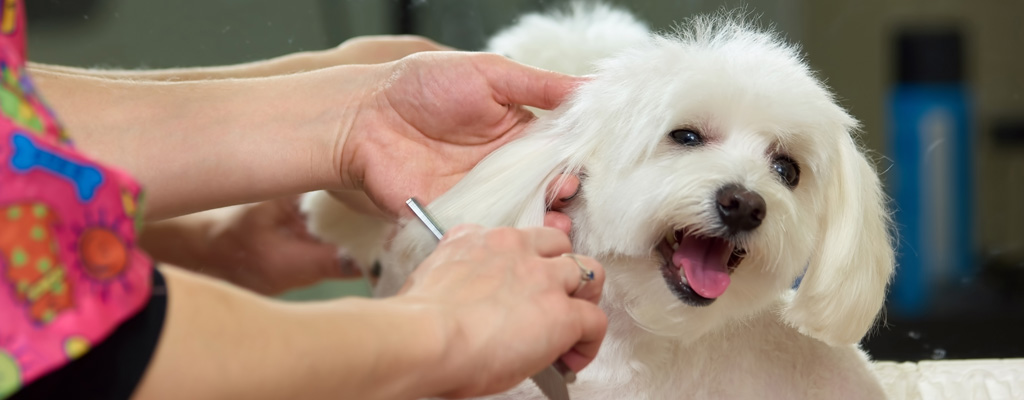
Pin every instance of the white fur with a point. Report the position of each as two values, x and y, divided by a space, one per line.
753 97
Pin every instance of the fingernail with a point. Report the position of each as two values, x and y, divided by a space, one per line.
573 196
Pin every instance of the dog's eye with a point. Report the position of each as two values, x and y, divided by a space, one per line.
687 137
788 170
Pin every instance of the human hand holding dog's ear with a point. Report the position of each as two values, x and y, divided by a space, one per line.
432 117
508 304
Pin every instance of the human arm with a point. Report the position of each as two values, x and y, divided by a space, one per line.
264 247
486 310
358 50
221 342
205 144
394 130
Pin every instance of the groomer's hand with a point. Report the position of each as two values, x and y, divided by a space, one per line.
266 247
503 296
433 116
263 246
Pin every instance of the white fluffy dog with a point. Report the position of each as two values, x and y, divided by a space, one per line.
716 170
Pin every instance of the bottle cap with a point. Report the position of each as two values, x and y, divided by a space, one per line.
930 56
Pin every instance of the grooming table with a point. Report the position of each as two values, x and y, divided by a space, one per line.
983 379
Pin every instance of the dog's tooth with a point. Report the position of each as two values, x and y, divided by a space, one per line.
670 237
675 246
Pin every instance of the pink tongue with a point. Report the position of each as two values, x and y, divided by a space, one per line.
703 261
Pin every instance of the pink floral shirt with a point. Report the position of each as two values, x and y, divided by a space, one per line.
71 270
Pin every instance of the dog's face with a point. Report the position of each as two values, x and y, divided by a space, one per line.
715 170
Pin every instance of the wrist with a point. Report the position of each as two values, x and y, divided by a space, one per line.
351 132
272 136
447 353
409 345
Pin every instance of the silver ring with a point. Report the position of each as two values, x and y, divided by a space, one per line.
586 275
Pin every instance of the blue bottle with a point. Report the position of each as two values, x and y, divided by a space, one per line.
931 175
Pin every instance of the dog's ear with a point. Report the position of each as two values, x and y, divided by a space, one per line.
507 188
845 283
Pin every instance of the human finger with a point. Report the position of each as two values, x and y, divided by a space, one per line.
459 231
593 324
326 260
581 276
548 242
516 83
558 220
562 190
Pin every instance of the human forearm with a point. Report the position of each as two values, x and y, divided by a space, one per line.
220 342
287 64
264 247
205 144
359 50
178 241
186 242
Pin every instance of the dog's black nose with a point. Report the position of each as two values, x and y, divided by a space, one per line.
740 209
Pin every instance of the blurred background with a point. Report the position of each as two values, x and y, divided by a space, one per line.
936 83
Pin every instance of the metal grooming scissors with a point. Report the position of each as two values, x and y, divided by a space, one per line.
552 380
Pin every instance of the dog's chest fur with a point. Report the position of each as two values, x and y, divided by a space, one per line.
759 357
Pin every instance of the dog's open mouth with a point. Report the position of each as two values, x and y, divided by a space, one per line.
697 269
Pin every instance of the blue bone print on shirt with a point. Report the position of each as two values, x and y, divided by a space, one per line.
27 155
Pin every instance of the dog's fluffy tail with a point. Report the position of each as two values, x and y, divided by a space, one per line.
570 41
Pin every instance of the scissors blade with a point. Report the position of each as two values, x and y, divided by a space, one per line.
551 381
427 220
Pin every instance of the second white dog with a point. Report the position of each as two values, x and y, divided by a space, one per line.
716 170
